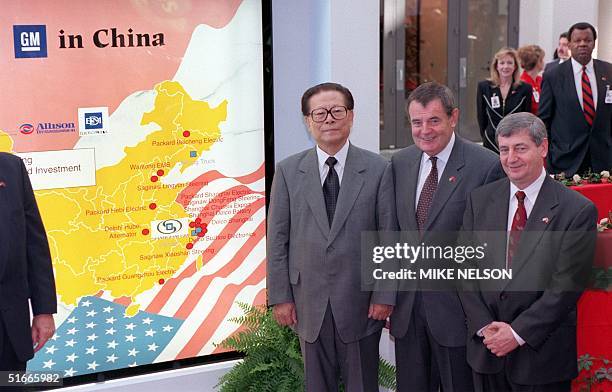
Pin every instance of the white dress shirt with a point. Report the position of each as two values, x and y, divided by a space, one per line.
531 194
425 167
577 68
339 166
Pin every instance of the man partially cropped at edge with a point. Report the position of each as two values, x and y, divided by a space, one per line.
26 273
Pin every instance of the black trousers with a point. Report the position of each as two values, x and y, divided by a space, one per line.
8 359
423 365
500 382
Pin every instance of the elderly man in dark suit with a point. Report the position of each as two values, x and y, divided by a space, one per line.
522 331
576 106
432 179
322 199
25 269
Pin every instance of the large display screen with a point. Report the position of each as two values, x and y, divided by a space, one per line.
141 126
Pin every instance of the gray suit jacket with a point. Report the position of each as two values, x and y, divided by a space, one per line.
312 264
548 270
469 166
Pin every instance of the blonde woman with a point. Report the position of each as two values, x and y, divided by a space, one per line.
502 94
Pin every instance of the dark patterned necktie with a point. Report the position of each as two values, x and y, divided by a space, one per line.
588 107
331 188
427 194
518 224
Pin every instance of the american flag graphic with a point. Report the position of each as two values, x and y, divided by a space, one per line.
97 336
187 315
234 272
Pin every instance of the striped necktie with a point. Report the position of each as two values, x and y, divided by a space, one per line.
427 194
588 107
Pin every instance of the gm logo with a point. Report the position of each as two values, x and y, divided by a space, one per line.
30 41
26 129
168 228
93 120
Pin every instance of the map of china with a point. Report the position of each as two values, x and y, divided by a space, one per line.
113 218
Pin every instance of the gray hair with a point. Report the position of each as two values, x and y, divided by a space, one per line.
517 122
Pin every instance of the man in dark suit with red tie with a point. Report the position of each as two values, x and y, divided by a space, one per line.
26 273
432 180
522 331
576 106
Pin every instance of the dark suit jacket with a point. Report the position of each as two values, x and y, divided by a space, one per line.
518 100
25 263
468 167
552 65
569 135
548 272
312 264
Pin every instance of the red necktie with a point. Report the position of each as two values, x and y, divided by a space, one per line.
587 98
427 194
518 224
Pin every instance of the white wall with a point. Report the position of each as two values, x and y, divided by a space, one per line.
604 30
317 41
542 21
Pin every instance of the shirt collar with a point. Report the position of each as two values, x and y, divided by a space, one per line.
532 191
340 156
443 155
577 67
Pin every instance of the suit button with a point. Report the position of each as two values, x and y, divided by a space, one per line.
330 248
503 296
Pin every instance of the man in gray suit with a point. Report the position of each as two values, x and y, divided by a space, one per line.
322 199
522 332
432 180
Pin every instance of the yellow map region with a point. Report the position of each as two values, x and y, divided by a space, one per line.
96 233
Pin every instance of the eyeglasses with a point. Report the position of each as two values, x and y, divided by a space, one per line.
337 113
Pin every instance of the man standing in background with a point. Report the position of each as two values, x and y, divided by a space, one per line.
562 52
576 107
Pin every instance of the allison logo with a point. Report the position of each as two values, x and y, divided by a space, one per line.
26 129
170 228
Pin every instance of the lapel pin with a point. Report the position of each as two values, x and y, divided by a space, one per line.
545 220
452 179
2 184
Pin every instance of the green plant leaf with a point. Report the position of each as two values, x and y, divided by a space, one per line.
273 361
